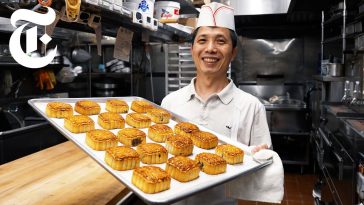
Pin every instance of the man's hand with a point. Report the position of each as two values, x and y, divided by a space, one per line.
259 147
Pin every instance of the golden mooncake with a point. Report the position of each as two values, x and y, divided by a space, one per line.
151 179
182 168
158 132
159 116
87 107
231 153
122 158
152 153
131 136
111 120
204 140
101 139
141 106
179 145
211 163
118 106
59 110
79 123
185 129
138 120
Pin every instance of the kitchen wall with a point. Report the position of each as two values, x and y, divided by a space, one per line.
293 59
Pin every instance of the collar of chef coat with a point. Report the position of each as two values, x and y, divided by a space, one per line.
225 95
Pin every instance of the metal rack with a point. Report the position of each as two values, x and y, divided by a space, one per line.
334 39
180 68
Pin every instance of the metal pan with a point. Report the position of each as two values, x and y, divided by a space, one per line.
177 190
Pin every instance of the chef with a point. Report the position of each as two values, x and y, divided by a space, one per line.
213 101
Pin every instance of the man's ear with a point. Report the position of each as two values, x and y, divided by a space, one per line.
235 51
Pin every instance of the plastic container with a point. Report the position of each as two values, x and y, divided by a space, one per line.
166 10
143 6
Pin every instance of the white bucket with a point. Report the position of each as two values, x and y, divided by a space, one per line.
143 6
166 10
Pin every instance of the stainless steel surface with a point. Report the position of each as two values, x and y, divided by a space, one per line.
359 42
332 91
177 190
295 91
337 144
335 69
258 7
105 85
180 68
294 59
287 113
79 55
287 118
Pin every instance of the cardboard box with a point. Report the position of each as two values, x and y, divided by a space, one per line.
191 22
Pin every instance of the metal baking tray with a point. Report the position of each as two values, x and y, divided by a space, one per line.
177 190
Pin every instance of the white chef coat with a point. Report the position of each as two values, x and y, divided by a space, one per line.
231 112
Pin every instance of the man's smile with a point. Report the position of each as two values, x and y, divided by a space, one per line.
210 59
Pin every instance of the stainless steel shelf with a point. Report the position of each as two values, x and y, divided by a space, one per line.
333 39
334 19
182 70
290 133
328 78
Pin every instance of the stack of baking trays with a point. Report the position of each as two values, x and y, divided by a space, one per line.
160 156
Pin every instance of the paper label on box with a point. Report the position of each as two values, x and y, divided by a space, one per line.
123 44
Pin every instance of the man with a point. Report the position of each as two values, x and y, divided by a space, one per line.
211 99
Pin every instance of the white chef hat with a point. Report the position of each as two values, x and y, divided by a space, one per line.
216 14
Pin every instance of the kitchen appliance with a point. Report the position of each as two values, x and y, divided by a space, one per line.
338 142
335 69
288 118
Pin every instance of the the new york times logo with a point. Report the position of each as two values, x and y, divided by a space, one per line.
23 58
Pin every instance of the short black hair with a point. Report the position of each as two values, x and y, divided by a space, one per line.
233 35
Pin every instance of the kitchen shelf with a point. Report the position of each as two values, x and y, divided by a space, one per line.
123 17
333 39
111 20
290 133
328 78
9 61
334 19
359 17
110 75
187 7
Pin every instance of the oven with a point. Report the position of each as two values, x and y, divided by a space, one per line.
338 169
335 157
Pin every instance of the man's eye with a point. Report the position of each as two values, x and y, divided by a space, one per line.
221 41
202 40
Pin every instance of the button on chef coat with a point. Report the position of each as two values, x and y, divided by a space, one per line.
231 112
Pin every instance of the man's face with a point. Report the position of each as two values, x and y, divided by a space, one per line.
212 51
